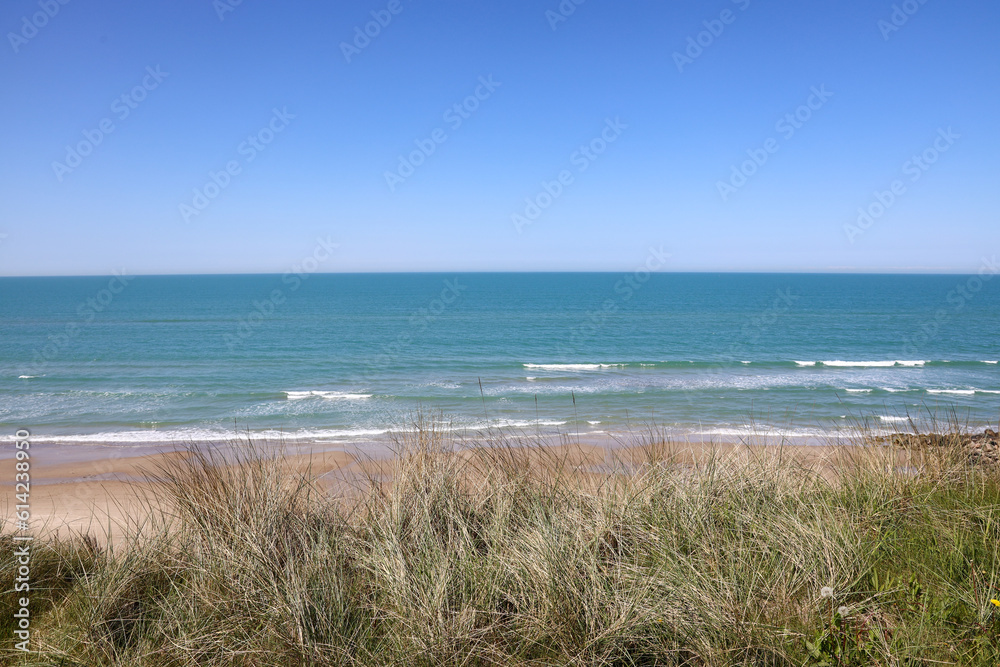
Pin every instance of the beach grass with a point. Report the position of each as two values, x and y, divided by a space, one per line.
511 555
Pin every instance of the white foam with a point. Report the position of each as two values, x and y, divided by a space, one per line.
328 395
987 391
183 436
960 392
530 378
872 364
764 431
513 423
859 391
891 418
859 364
989 362
330 433
136 437
509 423
26 377
593 423
567 367
806 363
442 385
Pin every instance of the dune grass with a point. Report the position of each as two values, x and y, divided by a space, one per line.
512 556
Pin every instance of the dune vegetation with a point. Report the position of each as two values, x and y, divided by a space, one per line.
514 556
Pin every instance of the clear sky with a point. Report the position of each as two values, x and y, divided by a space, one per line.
318 123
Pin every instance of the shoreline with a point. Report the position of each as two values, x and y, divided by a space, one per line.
80 488
78 445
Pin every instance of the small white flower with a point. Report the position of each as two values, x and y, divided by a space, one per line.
842 611
826 592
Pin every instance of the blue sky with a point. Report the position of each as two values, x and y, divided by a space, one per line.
204 82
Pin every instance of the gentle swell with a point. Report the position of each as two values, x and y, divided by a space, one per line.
762 363
571 367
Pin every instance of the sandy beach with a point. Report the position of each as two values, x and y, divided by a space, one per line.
101 490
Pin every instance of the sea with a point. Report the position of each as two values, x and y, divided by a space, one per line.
351 358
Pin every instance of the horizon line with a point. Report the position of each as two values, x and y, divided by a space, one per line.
854 272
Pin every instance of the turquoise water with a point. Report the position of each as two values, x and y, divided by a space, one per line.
340 357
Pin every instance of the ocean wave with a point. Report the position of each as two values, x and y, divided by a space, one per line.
328 395
202 435
893 418
138 438
26 377
762 431
508 423
442 384
972 363
960 392
616 386
759 363
888 363
872 364
571 367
